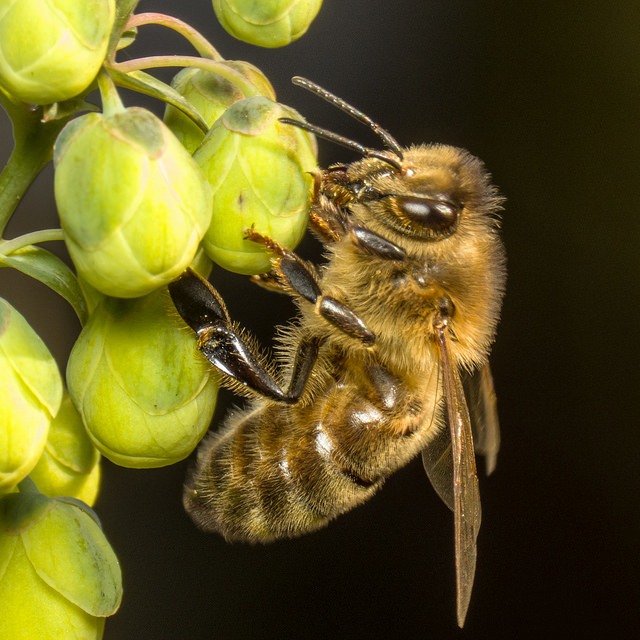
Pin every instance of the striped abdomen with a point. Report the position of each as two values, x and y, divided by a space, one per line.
280 471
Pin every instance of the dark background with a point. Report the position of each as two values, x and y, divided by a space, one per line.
548 95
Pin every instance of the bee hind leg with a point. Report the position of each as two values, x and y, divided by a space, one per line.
297 277
224 345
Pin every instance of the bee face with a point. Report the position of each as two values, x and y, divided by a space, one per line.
427 197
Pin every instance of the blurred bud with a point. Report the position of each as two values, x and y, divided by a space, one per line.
267 24
59 577
69 465
145 393
211 95
133 204
52 51
30 395
259 169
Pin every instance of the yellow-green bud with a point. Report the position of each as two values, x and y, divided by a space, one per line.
52 51
30 395
210 94
59 577
269 23
69 465
133 204
145 393
260 172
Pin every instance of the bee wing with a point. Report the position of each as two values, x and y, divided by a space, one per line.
466 493
437 460
437 457
484 415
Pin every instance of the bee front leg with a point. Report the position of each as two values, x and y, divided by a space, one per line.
375 245
334 192
297 277
222 343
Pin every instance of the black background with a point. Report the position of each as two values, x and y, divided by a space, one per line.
548 95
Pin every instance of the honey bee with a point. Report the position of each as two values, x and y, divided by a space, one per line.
399 318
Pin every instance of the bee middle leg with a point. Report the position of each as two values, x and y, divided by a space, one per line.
298 277
224 345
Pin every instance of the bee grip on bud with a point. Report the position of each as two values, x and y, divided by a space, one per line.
294 275
202 308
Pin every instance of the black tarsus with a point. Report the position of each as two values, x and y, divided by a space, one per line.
376 244
203 310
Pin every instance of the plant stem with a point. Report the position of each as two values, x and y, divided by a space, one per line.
219 68
124 9
32 151
7 247
195 38
111 101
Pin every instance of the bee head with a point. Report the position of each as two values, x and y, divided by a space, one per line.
423 192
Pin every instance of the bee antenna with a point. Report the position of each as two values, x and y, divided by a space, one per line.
345 142
386 137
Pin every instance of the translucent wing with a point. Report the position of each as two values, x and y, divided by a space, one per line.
483 407
438 463
482 403
464 495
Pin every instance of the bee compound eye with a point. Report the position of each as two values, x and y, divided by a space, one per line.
436 215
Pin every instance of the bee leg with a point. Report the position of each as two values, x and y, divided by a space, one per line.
297 277
327 219
202 308
325 231
375 244
269 281
341 317
330 223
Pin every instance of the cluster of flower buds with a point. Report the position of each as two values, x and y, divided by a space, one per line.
140 200
58 574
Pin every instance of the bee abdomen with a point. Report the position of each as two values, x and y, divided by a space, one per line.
280 471
269 476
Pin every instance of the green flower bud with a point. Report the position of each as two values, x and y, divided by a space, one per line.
145 394
256 76
69 465
59 577
259 169
270 23
30 395
52 51
210 94
132 202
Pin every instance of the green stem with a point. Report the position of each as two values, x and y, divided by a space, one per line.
32 151
111 101
7 247
124 9
195 38
219 68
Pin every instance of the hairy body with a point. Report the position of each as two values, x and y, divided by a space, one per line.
281 470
